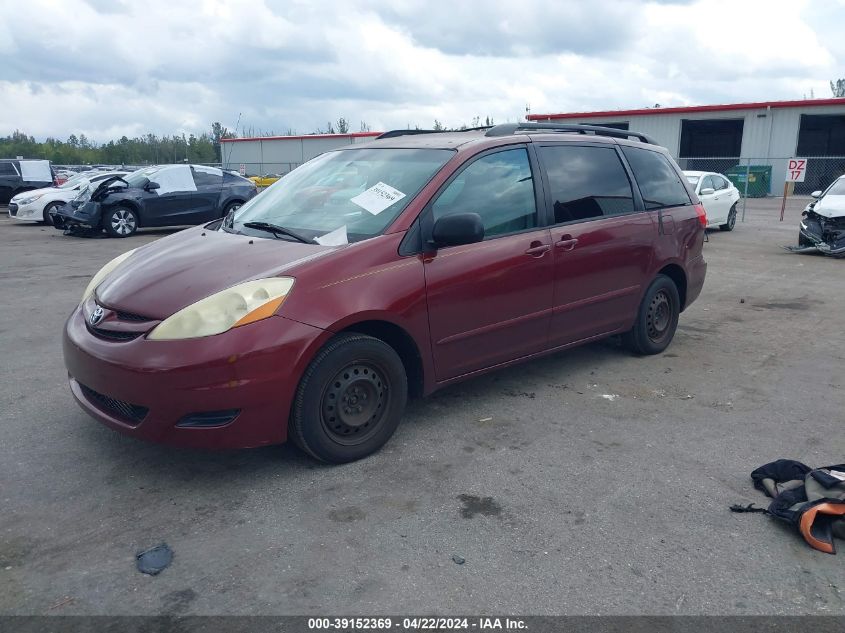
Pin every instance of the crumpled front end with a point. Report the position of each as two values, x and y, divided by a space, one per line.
825 235
77 216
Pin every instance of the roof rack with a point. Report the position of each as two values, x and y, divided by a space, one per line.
506 129
394 133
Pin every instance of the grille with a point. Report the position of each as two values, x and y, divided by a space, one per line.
114 335
131 413
128 316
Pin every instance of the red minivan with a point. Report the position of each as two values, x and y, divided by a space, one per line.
385 270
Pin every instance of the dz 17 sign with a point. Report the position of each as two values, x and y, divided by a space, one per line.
796 169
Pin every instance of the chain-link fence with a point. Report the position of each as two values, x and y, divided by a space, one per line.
266 168
761 177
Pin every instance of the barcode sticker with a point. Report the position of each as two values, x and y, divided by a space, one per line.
377 198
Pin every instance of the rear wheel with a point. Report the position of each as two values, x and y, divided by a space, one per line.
350 400
50 208
657 318
120 222
729 225
232 206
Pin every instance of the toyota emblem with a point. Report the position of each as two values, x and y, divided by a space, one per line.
96 316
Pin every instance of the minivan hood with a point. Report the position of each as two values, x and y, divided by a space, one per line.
176 271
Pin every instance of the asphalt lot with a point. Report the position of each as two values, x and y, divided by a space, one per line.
561 497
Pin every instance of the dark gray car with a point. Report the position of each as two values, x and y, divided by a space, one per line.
168 195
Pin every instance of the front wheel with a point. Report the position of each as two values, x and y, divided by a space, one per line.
657 318
350 399
729 225
53 207
120 222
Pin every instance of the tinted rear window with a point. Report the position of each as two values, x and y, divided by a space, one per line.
586 182
659 183
7 169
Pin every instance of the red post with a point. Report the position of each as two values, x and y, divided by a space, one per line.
783 203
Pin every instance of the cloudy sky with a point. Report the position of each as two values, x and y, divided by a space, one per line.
107 68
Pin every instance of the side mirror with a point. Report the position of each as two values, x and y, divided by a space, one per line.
457 229
706 191
817 194
152 186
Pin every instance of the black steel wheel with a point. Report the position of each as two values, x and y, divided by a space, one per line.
729 225
354 403
657 318
350 399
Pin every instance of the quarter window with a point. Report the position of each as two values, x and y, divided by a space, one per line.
659 183
207 177
7 169
586 182
498 187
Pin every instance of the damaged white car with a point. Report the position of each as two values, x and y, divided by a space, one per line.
823 221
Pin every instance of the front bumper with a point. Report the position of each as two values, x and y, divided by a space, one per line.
814 235
26 212
87 215
145 388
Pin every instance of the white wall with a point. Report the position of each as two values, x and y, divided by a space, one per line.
280 155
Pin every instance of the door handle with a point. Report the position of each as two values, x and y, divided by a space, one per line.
567 242
538 249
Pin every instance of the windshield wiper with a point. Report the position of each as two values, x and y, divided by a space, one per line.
275 229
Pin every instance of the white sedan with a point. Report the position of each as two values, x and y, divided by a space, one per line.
36 205
718 195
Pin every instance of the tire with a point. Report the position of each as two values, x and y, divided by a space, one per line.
50 207
729 225
350 399
120 222
657 318
232 206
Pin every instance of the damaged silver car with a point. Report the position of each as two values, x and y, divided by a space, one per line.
823 222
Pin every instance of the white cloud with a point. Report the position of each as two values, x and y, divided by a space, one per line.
108 69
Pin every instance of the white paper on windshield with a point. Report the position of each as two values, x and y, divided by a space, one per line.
176 178
337 237
36 170
377 198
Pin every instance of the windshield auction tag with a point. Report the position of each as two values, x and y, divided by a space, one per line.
337 237
377 198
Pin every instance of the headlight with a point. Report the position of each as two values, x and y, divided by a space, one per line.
97 279
245 303
30 199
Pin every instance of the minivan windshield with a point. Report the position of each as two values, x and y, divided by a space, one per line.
342 196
